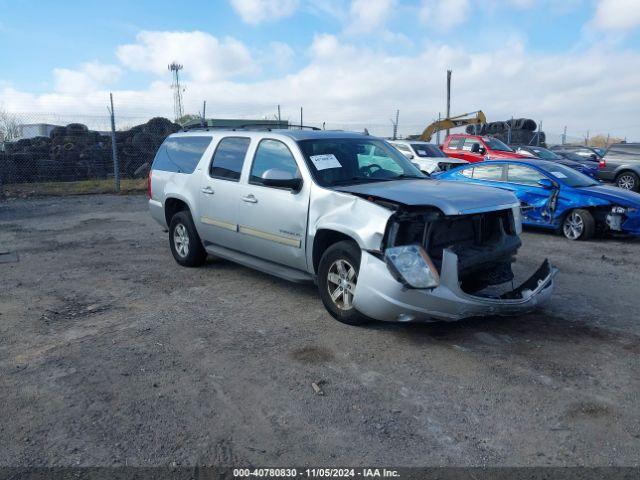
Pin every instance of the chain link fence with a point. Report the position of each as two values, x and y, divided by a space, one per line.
46 153
39 152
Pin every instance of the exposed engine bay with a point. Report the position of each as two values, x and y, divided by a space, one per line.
485 243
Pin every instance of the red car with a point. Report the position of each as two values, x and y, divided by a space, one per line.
474 148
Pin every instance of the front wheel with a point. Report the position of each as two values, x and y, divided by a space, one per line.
184 241
337 279
628 181
579 224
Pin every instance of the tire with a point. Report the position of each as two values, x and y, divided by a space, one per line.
182 227
628 180
341 256
579 224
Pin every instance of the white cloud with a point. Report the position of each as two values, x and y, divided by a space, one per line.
205 58
258 11
351 86
444 14
281 55
367 15
89 77
617 14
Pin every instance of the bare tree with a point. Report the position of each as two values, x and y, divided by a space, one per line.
9 126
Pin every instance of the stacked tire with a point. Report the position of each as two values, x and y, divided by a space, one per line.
515 131
74 152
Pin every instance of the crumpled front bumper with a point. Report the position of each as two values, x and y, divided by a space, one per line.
380 296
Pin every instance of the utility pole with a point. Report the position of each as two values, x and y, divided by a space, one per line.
395 125
448 97
114 147
300 118
586 140
438 131
177 90
279 120
204 113
539 132
564 135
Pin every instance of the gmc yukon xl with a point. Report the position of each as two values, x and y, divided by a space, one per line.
348 212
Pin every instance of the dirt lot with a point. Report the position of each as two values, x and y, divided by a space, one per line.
110 353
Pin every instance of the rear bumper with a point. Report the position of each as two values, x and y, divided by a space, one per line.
378 295
156 209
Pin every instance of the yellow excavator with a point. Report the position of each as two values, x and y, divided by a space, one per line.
472 118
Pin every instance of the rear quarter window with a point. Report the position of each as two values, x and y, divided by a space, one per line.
455 143
180 154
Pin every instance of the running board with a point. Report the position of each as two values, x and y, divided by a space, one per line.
259 264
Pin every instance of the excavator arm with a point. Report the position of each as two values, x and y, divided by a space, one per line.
478 118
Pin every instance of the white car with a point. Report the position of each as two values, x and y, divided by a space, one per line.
426 156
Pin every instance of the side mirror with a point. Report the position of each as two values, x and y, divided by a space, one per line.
410 156
594 157
475 148
483 150
546 183
275 177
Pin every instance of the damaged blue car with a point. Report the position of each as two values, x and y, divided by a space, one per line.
557 197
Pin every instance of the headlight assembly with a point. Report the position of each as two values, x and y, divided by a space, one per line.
411 265
619 210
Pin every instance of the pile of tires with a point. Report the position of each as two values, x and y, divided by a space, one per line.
74 152
514 131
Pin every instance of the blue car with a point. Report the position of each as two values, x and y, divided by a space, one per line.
557 197
573 160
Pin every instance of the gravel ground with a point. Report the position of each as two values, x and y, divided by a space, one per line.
110 353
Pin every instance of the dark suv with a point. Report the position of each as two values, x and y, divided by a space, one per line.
623 165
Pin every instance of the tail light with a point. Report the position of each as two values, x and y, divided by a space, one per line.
149 184
602 163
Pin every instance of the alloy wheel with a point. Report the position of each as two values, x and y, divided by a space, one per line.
627 182
181 240
573 226
341 283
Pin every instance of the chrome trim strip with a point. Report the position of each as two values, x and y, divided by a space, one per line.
219 223
493 208
284 240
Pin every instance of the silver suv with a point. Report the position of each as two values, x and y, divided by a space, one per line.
348 212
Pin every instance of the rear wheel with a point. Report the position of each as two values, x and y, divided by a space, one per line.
579 224
628 181
337 279
184 241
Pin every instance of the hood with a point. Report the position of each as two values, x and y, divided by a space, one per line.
453 198
619 196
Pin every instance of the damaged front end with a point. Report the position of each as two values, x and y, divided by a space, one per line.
448 267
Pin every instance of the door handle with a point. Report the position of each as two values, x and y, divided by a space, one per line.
250 199
208 190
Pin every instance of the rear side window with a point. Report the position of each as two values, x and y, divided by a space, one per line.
455 143
272 156
488 172
180 154
229 157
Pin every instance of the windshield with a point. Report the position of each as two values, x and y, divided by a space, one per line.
570 177
544 153
427 150
345 161
495 144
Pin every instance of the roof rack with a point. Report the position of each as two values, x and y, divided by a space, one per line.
266 126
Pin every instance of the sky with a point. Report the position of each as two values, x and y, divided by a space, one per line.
573 63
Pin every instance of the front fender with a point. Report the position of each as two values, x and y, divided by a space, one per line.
356 217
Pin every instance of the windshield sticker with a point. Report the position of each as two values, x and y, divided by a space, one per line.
558 174
323 162
422 152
